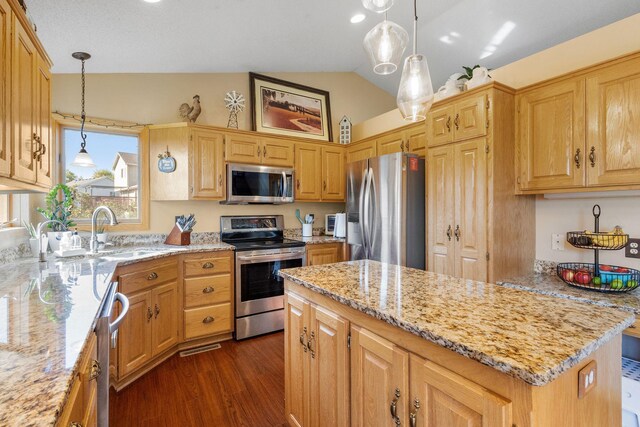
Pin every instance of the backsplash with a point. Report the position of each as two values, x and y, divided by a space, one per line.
8 255
544 267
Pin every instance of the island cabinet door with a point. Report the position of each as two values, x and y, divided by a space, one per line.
296 361
440 397
329 370
379 381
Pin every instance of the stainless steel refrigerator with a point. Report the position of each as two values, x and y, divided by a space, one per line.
386 209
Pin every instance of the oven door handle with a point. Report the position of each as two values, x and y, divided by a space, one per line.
275 257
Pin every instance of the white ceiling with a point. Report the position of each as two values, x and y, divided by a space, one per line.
301 35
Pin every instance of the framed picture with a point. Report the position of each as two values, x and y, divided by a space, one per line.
289 109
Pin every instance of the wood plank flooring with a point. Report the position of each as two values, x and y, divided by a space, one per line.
239 385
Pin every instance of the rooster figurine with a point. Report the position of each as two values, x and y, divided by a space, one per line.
190 113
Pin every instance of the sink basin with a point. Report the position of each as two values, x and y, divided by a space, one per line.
131 254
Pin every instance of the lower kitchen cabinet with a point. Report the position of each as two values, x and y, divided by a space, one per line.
327 253
317 365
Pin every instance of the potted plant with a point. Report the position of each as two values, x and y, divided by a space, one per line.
59 206
33 238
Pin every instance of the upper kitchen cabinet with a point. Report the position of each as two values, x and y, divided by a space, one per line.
550 136
579 132
458 118
200 167
259 150
26 149
613 131
361 150
470 199
319 172
392 143
406 139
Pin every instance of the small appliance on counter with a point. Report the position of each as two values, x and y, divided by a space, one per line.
329 224
340 226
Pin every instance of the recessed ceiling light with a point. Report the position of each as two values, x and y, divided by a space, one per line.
358 17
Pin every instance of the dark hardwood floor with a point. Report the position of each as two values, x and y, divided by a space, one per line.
241 384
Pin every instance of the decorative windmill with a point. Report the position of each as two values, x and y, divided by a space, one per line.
234 102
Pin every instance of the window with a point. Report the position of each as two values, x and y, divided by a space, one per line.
114 182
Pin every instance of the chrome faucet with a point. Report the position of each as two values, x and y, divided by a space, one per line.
42 251
93 245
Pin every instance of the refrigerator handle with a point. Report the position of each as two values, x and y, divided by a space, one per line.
372 191
364 212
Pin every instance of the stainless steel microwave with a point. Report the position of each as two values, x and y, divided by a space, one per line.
258 184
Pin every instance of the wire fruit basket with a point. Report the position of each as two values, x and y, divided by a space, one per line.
596 276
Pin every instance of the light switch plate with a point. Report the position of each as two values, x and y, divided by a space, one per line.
587 379
557 242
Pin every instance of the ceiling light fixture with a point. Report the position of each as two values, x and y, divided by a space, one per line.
385 44
82 158
357 18
415 95
377 6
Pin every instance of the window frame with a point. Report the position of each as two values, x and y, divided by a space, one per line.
142 223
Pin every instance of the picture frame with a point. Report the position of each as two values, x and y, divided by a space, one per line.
289 109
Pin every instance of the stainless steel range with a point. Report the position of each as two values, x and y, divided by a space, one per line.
261 251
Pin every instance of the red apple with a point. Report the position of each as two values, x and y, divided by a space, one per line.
621 270
583 277
568 275
604 267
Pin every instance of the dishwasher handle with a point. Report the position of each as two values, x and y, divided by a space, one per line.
113 327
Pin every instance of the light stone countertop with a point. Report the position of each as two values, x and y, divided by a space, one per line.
47 311
527 335
319 240
551 284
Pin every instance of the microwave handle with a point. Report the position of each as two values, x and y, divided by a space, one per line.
284 184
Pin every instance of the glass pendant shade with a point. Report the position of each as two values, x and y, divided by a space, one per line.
385 45
415 95
83 159
377 6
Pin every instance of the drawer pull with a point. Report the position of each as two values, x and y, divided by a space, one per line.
95 371
207 265
152 276
208 290
208 319
74 424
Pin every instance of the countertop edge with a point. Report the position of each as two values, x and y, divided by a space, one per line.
527 376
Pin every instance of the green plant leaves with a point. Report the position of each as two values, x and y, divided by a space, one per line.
58 209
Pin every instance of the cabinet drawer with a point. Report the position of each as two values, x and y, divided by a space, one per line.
207 290
210 320
72 410
207 266
148 274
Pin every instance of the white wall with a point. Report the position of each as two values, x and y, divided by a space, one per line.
560 216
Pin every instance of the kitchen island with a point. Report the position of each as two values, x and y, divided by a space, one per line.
437 350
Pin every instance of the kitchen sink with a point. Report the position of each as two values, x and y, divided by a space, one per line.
130 254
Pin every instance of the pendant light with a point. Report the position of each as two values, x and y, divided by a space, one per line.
82 158
415 95
385 45
377 6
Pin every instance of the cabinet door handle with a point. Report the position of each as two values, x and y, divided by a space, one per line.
36 153
576 158
95 371
264 151
152 276
208 319
157 309
413 416
259 152
298 184
457 233
592 157
393 408
303 339
149 314
74 424
208 290
456 121
449 232
207 265
220 180
406 146
402 146
324 184
449 124
312 339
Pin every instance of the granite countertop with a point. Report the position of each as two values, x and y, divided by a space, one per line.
527 335
47 311
550 284
319 240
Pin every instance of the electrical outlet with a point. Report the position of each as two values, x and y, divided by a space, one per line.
633 249
587 379
557 242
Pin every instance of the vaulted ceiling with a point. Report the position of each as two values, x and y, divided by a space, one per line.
198 36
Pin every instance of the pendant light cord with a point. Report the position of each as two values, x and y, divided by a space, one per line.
82 134
415 26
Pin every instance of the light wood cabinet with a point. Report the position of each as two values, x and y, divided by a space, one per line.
5 89
393 143
200 168
243 148
379 380
44 142
135 342
333 174
458 119
361 151
416 140
551 136
443 398
470 205
165 317
612 151
319 173
317 365
326 253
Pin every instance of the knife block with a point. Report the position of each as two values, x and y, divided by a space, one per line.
178 238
